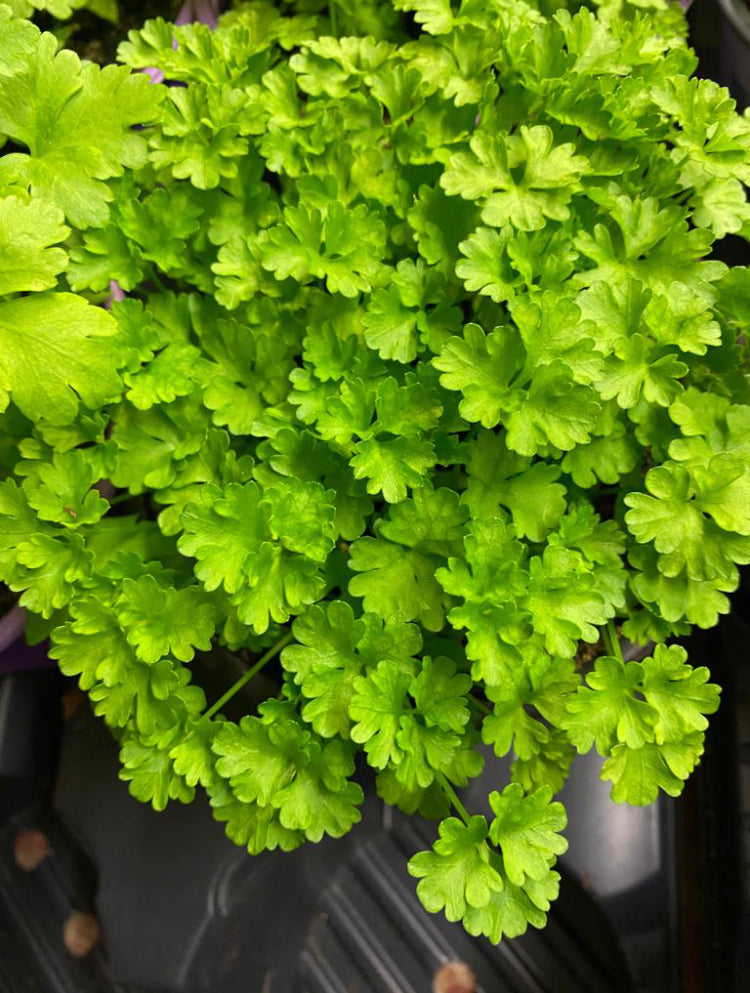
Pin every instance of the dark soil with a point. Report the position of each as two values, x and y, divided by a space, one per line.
96 39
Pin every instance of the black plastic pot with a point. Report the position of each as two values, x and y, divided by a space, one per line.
182 910
735 49
15 654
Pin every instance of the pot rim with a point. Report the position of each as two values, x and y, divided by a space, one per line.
12 628
737 13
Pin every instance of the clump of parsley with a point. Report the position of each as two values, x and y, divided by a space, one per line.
426 385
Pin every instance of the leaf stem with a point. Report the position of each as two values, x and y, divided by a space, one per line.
333 15
158 280
481 706
446 787
613 642
121 498
247 676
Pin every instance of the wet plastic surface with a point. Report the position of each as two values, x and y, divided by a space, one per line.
651 901
182 909
341 915
735 48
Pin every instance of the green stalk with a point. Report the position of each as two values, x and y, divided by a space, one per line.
481 706
333 15
613 642
446 787
247 676
121 498
158 280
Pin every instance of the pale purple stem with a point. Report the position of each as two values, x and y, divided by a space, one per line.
12 627
205 11
116 293
154 74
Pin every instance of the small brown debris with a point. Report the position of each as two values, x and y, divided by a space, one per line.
81 934
30 848
454 977
71 702
587 653
94 52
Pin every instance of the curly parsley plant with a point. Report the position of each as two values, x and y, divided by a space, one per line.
426 384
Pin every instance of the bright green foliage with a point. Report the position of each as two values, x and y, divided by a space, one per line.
76 121
261 549
680 517
521 178
458 873
495 893
28 230
501 478
257 828
276 762
151 774
411 723
525 829
333 649
509 913
542 753
648 717
48 571
193 755
57 354
607 709
680 694
258 760
394 581
427 384
62 490
161 622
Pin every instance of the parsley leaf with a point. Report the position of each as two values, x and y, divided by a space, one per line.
76 120
457 874
28 232
86 353
526 829
551 174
